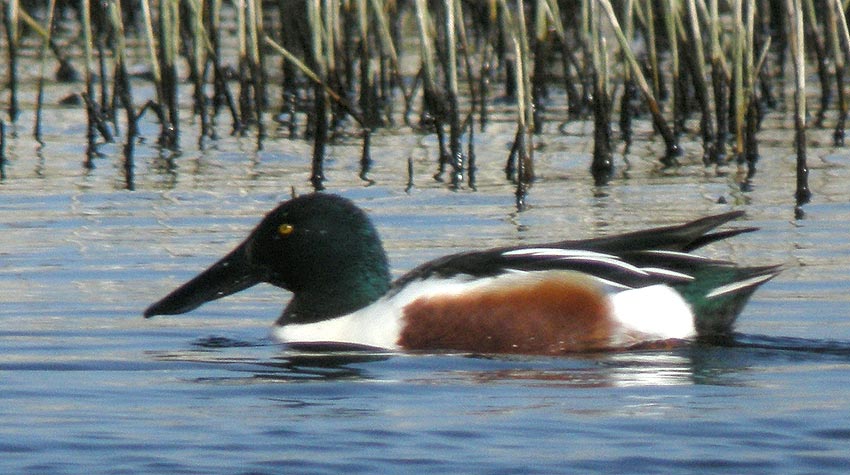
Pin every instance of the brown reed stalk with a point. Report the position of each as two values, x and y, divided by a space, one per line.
151 44
161 56
435 104
720 79
738 96
752 116
245 114
170 20
51 8
89 94
198 57
101 29
66 69
521 157
314 78
645 12
207 35
487 62
320 100
381 12
696 60
817 43
835 21
10 19
251 75
602 166
678 97
797 43
670 140
122 91
255 60
542 57
2 149
369 80
628 107
577 102
368 101
469 122
457 158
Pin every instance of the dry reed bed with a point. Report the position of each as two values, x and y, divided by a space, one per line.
336 64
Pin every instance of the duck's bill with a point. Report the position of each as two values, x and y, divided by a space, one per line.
227 276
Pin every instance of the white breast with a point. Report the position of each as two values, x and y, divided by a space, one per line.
379 324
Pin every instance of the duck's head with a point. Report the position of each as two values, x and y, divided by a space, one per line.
321 247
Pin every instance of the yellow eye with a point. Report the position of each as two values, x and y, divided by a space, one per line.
285 229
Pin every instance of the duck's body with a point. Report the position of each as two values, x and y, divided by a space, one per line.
546 312
642 288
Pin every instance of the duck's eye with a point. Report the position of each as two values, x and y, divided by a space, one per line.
285 229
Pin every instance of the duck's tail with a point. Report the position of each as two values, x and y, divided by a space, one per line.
718 293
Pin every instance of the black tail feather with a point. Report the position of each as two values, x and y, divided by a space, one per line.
714 237
682 238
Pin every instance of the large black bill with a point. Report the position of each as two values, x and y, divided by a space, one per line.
227 276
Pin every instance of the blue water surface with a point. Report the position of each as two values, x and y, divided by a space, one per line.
89 386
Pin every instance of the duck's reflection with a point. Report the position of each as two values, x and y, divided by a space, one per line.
264 360
719 363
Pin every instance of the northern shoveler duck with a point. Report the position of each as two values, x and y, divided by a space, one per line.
637 289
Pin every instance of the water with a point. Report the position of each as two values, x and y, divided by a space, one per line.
88 386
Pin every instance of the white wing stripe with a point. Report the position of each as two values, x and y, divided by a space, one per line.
611 261
667 272
684 255
735 286
576 255
555 252
612 284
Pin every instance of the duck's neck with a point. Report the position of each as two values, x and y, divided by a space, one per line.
343 291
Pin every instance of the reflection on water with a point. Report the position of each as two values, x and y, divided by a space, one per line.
288 366
795 347
689 364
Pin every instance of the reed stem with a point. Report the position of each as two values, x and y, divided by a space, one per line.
795 16
2 150
457 157
672 145
10 18
51 8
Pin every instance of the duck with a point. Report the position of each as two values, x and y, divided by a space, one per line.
642 289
